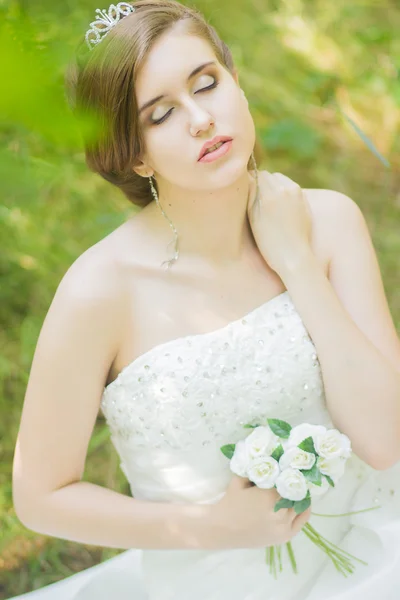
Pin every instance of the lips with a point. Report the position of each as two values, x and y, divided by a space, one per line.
210 143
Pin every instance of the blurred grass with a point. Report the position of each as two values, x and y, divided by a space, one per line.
322 80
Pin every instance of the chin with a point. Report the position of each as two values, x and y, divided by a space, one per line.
235 168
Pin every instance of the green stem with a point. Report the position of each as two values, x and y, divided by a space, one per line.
356 512
319 539
270 560
325 548
338 556
279 555
310 528
328 547
273 561
291 556
339 561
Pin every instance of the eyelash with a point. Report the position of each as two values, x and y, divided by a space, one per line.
209 87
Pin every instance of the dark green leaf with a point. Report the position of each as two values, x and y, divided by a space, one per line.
228 450
277 453
283 503
330 481
302 505
308 446
280 428
313 475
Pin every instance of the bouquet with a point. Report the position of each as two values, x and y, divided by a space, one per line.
301 463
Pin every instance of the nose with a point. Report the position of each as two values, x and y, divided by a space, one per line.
200 120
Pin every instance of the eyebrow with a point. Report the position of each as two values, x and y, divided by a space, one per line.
192 74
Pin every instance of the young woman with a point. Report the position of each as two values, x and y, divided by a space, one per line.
269 303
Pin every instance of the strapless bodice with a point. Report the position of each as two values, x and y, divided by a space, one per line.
171 409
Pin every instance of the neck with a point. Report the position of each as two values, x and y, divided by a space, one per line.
213 227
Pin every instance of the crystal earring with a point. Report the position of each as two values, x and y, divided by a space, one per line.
253 160
171 261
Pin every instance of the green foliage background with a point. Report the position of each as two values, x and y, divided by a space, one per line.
322 79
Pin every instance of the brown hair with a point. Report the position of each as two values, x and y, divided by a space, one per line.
101 82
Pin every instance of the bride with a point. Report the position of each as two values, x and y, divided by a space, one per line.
269 304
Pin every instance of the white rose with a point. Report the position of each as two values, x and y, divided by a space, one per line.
303 431
240 459
297 459
318 490
292 484
261 442
334 467
263 472
333 444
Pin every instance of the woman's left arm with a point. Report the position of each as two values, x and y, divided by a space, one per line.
349 321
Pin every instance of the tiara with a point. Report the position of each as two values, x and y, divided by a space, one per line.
105 21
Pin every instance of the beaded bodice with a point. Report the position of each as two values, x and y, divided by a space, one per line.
171 409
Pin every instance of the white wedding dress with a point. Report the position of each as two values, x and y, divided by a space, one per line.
171 409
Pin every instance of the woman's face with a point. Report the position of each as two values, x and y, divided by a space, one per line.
191 112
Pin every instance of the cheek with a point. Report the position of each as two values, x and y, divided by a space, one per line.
237 114
161 140
165 147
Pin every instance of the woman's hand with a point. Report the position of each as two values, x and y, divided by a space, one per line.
245 517
280 220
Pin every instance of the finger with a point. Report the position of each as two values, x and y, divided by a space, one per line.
285 516
300 520
268 182
272 184
285 181
238 483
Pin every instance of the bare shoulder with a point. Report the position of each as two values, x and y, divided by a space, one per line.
87 313
330 202
98 273
94 274
103 280
329 208
89 309
93 282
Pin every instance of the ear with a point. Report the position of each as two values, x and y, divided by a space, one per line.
143 170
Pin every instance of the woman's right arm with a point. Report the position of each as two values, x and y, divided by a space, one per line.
76 346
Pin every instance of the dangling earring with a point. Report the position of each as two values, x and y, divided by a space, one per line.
170 262
253 160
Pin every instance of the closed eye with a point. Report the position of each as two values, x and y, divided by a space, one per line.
210 87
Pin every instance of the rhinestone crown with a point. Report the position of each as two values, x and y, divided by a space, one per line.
105 21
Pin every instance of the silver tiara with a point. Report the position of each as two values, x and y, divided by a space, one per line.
106 21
